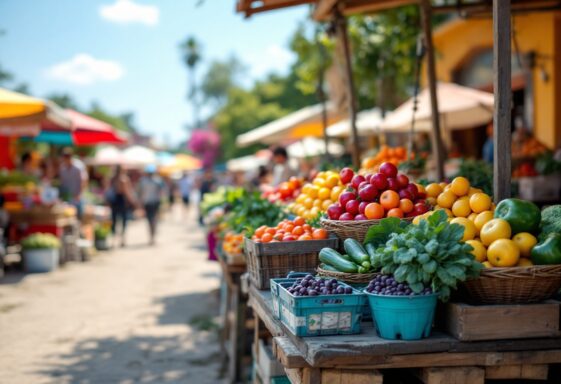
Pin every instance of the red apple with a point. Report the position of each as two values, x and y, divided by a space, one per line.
413 189
402 180
345 197
420 208
352 207
335 211
393 184
346 217
380 181
363 184
368 177
388 169
368 193
288 238
346 175
361 217
362 206
405 194
422 195
355 182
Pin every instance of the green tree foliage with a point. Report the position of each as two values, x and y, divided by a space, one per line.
63 100
220 77
122 122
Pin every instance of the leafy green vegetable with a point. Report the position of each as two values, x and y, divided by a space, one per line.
379 234
40 241
551 221
101 232
250 211
546 164
428 254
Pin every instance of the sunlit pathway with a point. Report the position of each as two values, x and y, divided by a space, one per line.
131 315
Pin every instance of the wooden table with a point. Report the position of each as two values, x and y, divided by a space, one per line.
366 358
234 319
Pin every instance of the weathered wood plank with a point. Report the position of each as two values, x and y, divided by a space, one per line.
260 301
455 375
287 353
294 375
503 99
469 323
311 376
345 376
525 371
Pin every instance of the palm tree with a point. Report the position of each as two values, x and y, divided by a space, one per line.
190 49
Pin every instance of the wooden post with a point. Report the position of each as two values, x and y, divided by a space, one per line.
343 37
437 148
503 98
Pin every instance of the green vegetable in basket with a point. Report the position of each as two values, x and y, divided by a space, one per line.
335 259
355 250
428 254
522 215
548 251
551 221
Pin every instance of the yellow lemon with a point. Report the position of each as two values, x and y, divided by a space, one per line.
446 199
480 202
317 203
479 250
482 218
487 264
525 242
494 230
469 227
335 192
326 204
433 190
301 197
319 182
460 186
320 175
443 185
472 217
309 202
503 253
332 181
306 188
461 208
324 193
313 191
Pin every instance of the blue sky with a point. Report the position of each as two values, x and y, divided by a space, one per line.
124 53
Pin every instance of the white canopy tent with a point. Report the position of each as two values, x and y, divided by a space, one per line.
367 123
459 108
140 156
311 146
108 156
304 122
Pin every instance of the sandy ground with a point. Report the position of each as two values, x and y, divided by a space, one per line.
134 315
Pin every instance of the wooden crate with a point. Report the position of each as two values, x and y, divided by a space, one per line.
498 322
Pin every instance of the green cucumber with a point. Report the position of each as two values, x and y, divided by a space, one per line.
327 267
356 251
371 249
335 259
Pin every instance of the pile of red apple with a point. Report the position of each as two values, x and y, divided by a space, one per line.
375 196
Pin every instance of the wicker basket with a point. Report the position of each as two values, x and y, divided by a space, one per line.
266 261
349 278
351 229
516 285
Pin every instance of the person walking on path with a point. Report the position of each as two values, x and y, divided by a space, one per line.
185 185
150 191
281 169
120 197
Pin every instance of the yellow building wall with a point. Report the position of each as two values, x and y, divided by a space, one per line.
456 41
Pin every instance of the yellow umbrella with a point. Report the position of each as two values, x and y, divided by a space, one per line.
21 115
181 163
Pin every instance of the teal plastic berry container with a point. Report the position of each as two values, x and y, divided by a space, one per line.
402 317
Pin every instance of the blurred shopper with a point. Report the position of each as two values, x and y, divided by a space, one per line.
150 191
281 168
120 197
207 185
73 180
26 165
488 146
185 185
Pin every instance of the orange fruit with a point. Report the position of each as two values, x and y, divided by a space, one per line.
270 231
446 199
480 202
298 230
389 199
259 232
433 190
406 205
267 237
395 212
525 242
319 234
495 229
374 211
479 250
305 237
461 208
299 220
460 186
503 253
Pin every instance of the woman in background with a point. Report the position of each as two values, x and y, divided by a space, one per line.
120 197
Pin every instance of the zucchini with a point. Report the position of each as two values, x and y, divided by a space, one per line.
332 257
356 251
327 267
371 249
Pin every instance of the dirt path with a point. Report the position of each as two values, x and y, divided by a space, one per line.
139 314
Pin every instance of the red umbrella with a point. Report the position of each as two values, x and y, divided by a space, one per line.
84 130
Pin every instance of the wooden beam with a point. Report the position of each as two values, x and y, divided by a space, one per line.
343 37
503 98
324 9
437 148
271 5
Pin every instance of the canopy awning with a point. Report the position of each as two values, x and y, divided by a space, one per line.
181 163
367 122
90 131
21 115
296 125
140 156
459 108
250 162
311 147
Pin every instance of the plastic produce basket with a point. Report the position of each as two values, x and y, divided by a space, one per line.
317 315
266 261
403 317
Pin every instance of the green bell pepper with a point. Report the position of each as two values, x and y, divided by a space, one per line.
548 251
522 215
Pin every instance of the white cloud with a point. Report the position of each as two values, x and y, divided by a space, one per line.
127 11
274 59
84 69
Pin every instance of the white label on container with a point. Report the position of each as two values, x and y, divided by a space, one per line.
292 320
276 307
329 320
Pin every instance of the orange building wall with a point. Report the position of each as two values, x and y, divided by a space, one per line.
456 41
